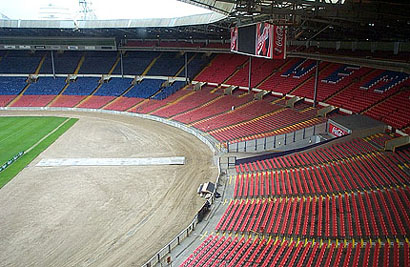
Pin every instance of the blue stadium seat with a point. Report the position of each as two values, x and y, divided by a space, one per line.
64 63
390 78
20 62
135 63
167 65
83 86
98 62
12 85
167 91
145 89
46 86
115 87
339 74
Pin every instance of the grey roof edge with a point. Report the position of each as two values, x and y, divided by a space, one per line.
206 18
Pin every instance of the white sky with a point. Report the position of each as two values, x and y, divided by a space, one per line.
104 9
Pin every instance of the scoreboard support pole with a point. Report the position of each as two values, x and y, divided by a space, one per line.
250 75
316 83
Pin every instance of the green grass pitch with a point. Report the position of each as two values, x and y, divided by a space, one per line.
22 133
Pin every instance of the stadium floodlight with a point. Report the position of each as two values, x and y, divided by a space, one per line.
86 12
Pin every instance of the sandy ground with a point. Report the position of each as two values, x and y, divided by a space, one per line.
102 216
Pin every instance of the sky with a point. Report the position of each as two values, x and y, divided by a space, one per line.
103 9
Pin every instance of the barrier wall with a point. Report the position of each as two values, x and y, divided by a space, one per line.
277 141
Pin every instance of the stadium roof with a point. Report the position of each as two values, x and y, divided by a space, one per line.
316 20
224 7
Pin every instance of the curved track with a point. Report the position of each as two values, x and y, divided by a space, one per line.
102 216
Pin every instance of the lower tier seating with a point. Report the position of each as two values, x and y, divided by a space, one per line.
368 214
234 251
33 101
358 173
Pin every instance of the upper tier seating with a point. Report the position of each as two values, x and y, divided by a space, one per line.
357 99
24 62
395 111
64 63
98 62
167 65
294 73
135 63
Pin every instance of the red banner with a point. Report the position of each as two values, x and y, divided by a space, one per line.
264 37
279 42
336 131
234 39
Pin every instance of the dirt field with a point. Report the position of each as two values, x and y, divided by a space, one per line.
102 216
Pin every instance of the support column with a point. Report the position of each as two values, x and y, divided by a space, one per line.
186 68
121 65
316 83
250 75
52 64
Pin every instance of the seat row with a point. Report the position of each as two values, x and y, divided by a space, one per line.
266 123
372 171
374 214
319 156
234 251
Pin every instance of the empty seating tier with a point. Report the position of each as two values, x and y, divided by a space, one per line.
221 67
368 214
192 101
319 156
233 251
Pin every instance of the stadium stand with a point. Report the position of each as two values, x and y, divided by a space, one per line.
98 62
214 107
135 63
20 62
169 90
82 86
114 87
362 95
64 63
192 101
393 111
12 85
145 89
123 103
261 68
168 64
219 250
46 86
150 105
221 67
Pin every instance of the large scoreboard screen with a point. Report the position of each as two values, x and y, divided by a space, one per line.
260 40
